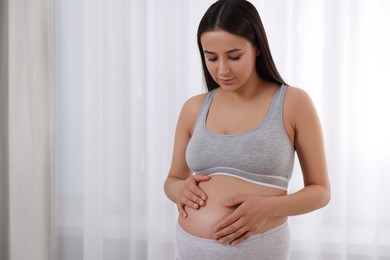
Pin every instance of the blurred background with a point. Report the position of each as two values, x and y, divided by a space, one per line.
90 91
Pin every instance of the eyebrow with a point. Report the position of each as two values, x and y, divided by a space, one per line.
229 51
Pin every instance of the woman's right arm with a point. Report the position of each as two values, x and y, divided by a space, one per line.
181 185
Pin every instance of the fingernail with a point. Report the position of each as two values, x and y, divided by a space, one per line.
220 241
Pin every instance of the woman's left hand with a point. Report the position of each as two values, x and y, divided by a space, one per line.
251 214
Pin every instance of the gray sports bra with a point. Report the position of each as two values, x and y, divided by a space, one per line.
262 155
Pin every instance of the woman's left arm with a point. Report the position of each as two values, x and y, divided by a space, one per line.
252 211
309 145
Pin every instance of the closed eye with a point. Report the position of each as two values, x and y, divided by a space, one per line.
212 59
232 58
235 58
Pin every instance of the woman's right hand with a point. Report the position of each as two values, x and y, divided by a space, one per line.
190 195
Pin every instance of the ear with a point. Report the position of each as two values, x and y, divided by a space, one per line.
258 52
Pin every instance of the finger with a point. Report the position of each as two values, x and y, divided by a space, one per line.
193 200
242 238
181 210
201 177
190 203
235 201
229 220
227 230
231 236
198 193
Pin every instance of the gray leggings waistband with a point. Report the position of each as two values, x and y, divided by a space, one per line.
273 244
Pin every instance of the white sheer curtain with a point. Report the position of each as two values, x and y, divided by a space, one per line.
121 76
124 68
338 51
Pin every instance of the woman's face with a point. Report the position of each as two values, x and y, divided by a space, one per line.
230 59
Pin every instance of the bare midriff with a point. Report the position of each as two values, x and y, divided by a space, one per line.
220 188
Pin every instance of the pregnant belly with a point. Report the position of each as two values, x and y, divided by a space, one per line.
220 188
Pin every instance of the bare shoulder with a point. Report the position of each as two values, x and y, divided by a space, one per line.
296 96
190 110
297 100
192 105
298 107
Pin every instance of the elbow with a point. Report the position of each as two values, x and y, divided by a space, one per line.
166 187
325 196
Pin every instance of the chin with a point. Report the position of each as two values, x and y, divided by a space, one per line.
232 87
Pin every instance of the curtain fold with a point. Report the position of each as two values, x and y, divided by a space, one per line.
93 129
30 143
3 129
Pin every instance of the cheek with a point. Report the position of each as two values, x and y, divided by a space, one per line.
247 68
212 68
240 69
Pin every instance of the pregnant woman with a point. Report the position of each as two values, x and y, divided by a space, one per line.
235 146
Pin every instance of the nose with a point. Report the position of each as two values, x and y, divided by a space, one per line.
223 67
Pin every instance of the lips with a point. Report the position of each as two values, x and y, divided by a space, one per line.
226 81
